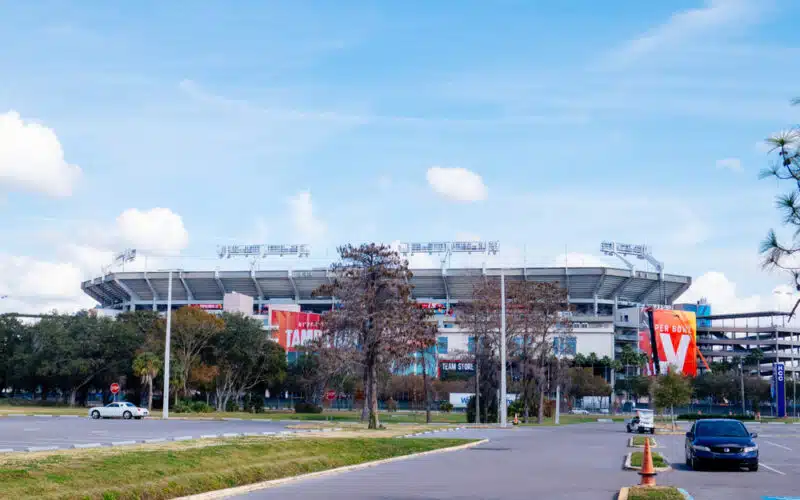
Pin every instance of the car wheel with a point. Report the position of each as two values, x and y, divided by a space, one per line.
95 415
753 468
695 465
127 415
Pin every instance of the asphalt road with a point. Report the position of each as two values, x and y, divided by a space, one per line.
21 433
572 462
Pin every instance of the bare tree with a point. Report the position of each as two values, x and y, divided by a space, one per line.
373 299
481 318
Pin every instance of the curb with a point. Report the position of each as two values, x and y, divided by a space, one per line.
211 495
685 494
86 446
627 465
653 443
451 429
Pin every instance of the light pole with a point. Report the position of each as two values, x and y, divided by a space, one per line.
741 381
165 410
503 409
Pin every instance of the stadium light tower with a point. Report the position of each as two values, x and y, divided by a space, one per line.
621 250
256 252
127 255
447 248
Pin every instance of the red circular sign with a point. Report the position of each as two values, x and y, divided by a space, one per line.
114 388
331 395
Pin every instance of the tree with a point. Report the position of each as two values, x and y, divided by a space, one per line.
72 351
786 167
585 383
672 389
244 358
147 366
373 294
192 332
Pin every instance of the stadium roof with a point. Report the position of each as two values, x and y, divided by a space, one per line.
455 285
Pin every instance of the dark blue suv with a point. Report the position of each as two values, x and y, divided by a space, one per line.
721 441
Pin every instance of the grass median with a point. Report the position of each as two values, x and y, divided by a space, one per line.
655 493
658 460
640 440
177 469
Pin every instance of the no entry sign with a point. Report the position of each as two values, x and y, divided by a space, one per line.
114 388
331 395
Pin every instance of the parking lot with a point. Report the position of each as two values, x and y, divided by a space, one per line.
34 433
570 462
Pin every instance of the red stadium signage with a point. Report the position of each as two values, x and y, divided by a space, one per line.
676 342
207 307
295 329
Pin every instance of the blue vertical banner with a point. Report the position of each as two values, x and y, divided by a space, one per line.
779 389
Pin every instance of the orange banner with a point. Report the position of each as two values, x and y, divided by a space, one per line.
295 329
676 341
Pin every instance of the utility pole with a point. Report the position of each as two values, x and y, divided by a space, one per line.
741 382
503 416
165 410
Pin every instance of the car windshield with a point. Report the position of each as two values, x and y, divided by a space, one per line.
129 404
721 429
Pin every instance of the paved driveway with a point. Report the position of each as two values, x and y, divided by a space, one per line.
20 433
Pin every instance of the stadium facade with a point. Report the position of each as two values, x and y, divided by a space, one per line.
596 294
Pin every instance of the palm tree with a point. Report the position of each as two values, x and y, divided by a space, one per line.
147 366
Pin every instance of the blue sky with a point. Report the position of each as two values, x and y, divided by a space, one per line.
177 126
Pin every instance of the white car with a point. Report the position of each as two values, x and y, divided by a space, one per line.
119 410
578 411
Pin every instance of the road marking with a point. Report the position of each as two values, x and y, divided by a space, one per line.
31 429
778 445
773 470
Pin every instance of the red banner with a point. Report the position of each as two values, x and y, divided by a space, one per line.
295 329
676 341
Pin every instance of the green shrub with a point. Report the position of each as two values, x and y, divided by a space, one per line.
694 416
182 407
305 407
201 407
446 406
232 405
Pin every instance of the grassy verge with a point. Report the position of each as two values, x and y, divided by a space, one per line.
658 460
639 441
169 472
574 419
655 493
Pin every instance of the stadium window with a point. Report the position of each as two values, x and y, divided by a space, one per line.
442 345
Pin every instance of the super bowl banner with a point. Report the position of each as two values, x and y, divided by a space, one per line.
295 329
675 336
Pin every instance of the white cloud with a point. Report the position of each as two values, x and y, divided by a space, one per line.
723 295
732 164
31 286
158 230
31 158
687 28
306 224
457 183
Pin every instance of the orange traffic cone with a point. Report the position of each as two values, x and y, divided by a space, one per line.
648 472
516 420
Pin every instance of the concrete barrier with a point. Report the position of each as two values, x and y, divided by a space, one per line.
182 438
209 436
155 440
231 435
122 443
82 446
6 450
